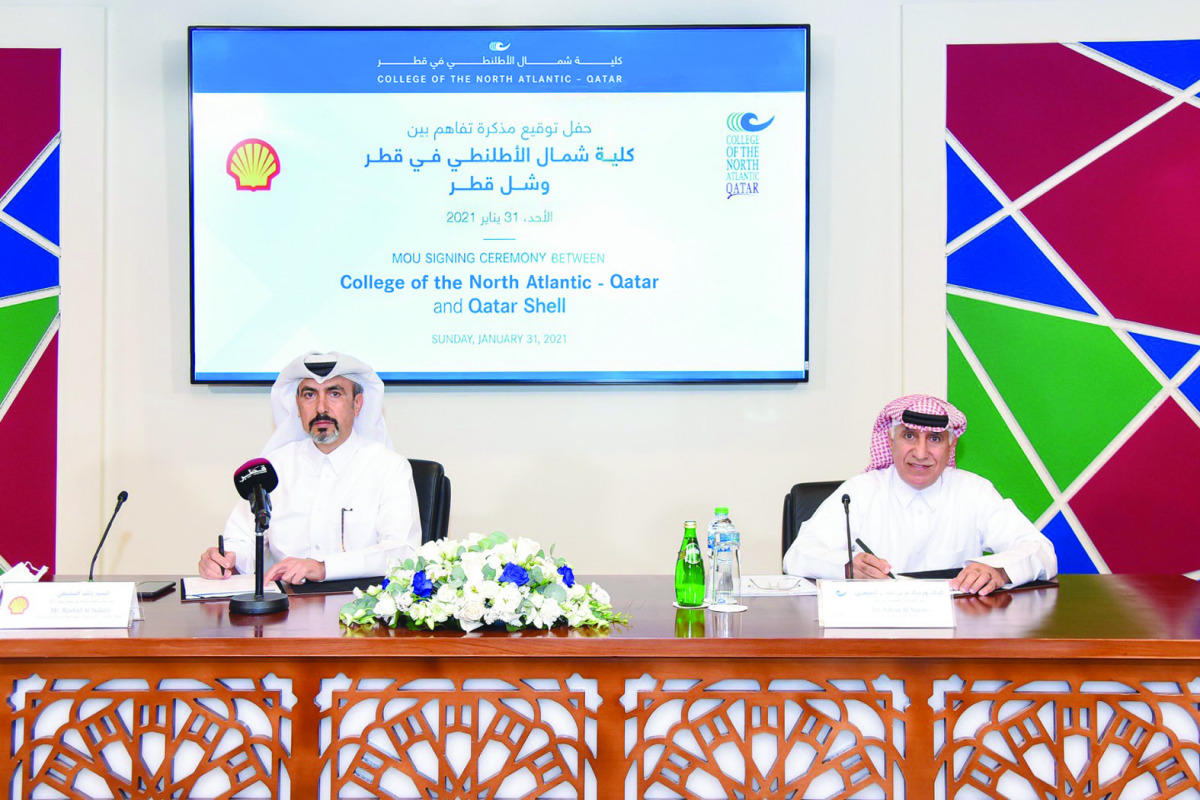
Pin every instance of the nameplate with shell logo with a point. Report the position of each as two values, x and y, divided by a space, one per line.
68 605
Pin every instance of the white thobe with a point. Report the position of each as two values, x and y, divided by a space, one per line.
355 509
943 526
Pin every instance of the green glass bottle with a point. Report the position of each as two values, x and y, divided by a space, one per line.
689 569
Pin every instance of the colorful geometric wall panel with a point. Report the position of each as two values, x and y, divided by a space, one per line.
1075 347
1170 356
1126 224
1177 62
1003 260
1072 558
1156 530
989 447
26 428
29 309
1007 107
1043 365
25 266
36 205
968 201
1191 388
25 325
29 108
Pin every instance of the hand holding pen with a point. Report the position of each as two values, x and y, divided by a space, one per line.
869 565
216 562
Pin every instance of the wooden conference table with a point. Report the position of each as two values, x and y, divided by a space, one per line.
1089 688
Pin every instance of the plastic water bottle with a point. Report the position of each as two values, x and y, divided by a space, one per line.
725 585
689 569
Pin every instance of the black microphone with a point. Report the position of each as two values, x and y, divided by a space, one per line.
121 498
254 481
849 546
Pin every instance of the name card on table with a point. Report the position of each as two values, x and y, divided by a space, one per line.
67 605
884 604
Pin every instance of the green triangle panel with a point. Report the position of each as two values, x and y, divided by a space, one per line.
1072 386
989 447
21 328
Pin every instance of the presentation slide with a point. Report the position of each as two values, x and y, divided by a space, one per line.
501 205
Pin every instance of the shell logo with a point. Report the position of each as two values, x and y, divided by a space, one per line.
18 605
252 163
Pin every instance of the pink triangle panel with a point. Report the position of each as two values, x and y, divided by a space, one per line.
28 472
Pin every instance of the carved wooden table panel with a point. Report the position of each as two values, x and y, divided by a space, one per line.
1091 689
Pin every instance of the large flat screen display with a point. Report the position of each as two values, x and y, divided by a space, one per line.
564 205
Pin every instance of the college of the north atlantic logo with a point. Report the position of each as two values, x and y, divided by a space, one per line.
741 153
253 164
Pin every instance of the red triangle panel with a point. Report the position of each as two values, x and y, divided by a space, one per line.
1025 111
29 96
1127 224
29 470
1140 509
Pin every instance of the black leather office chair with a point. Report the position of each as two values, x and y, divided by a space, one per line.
800 503
433 498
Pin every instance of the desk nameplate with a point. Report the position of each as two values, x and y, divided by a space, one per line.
67 605
884 604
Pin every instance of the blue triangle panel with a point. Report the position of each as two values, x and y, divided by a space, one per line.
1177 62
1004 261
1191 388
24 267
967 200
1169 355
1072 558
36 205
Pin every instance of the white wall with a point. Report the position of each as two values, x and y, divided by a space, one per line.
608 473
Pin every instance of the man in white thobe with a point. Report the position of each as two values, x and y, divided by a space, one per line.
916 511
345 506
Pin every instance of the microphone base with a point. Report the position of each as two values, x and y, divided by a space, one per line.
253 604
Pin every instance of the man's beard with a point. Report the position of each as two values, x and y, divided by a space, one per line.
326 436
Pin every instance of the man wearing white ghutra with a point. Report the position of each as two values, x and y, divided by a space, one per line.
917 512
346 505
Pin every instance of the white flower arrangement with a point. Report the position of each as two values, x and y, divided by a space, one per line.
483 580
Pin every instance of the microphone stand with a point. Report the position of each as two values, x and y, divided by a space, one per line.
121 498
259 603
849 546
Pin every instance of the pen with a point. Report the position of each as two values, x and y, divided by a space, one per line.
867 550
221 547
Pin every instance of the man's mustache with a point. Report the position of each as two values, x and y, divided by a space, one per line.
322 418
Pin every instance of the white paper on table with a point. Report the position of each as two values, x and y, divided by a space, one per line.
197 588
776 586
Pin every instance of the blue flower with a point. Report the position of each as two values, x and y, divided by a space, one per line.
514 573
421 585
385 583
568 576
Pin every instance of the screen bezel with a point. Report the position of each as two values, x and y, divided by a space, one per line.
616 377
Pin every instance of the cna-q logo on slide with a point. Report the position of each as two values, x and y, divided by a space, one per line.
741 153
253 164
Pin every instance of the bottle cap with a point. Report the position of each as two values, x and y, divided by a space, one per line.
721 511
691 523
